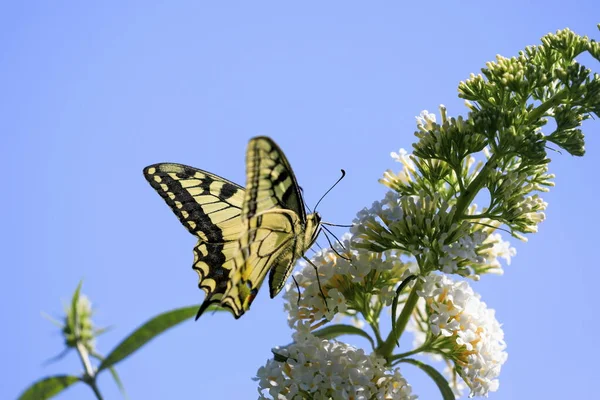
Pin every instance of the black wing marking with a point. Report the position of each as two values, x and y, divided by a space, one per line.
270 181
210 208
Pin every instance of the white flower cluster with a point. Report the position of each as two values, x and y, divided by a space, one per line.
338 275
456 311
348 280
480 249
327 369
531 209
427 119
404 176
499 249
463 249
388 210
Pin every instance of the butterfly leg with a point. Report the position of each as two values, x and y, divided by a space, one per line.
318 281
297 287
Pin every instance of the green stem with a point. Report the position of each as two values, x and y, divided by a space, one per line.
90 375
423 347
540 110
95 389
378 337
387 348
480 216
471 191
464 201
459 180
467 196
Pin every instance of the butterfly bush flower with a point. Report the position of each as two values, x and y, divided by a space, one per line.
348 278
464 249
314 368
405 174
405 251
495 248
470 255
463 329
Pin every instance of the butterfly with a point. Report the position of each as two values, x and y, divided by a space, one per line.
242 233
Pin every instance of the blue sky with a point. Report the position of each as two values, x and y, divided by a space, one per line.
93 92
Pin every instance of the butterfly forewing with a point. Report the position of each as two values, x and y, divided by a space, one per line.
270 181
274 213
210 208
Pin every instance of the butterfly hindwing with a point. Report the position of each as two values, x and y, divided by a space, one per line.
210 208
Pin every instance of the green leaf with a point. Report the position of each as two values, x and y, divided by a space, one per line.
114 374
395 305
53 320
146 333
118 381
333 331
48 387
102 331
57 357
434 374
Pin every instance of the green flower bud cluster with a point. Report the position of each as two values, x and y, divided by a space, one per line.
510 103
451 141
507 95
78 326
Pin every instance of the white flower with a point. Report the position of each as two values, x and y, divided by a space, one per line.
328 369
337 276
532 209
405 176
499 249
456 312
405 158
388 210
463 249
426 119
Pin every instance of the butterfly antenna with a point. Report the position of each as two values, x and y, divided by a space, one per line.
333 248
341 226
297 287
338 181
318 281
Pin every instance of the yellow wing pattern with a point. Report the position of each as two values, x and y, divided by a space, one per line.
242 234
209 207
278 230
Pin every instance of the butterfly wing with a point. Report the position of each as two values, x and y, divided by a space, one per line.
210 208
270 181
274 214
